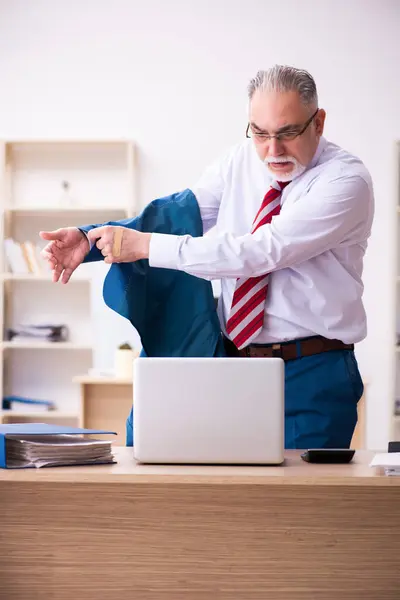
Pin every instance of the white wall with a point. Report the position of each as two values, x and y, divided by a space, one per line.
172 76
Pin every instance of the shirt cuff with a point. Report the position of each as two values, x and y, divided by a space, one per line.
164 250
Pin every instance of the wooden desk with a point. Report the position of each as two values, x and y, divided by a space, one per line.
297 532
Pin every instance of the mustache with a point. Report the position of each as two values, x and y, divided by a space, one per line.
280 159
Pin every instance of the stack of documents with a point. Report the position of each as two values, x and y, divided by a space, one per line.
43 445
46 332
56 450
390 462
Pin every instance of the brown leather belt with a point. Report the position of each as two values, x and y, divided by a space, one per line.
288 350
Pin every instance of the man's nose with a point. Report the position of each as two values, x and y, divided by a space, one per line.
275 147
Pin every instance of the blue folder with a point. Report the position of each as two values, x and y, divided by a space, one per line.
31 402
39 429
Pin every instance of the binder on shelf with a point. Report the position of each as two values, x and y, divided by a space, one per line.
25 445
21 404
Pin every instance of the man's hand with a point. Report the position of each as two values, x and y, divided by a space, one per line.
120 244
65 251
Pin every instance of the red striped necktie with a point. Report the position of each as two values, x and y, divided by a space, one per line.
247 311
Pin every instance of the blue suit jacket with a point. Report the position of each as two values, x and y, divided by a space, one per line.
173 312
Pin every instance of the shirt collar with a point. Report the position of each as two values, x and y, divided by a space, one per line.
321 147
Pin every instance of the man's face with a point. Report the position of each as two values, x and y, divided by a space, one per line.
283 112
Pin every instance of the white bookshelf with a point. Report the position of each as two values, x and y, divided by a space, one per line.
108 212
53 346
102 182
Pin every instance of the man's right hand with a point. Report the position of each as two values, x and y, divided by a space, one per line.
65 251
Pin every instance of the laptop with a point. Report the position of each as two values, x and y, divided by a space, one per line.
208 410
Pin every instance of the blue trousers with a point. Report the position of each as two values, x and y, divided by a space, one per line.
321 396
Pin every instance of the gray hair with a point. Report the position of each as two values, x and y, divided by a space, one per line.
282 78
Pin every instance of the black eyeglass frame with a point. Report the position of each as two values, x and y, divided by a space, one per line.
278 136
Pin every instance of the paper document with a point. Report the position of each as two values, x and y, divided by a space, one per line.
56 450
389 461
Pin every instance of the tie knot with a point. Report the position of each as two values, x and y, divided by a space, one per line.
283 184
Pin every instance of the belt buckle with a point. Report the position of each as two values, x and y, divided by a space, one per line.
276 350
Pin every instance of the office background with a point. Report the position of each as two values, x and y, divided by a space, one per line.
172 77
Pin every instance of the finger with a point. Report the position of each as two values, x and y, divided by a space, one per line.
66 275
58 269
96 233
48 249
52 261
100 244
47 254
51 251
51 235
107 250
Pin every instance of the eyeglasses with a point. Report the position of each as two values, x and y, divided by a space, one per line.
284 136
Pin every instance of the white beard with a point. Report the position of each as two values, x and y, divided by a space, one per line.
298 168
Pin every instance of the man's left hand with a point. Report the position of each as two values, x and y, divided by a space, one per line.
120 244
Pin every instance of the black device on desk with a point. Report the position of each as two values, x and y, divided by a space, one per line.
328 455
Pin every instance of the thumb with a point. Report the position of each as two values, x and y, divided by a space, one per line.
57 234
95 233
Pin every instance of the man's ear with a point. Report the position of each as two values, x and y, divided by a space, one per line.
320 122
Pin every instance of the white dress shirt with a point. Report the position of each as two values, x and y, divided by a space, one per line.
313 249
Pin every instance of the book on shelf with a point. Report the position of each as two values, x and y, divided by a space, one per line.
36 445
24 258
32 258
15 257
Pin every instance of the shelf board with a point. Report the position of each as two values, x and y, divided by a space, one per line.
26 345
102 380
34 278
42 211
396 418
52 414
67 142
